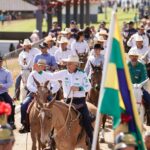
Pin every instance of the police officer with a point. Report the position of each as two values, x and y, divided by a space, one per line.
75 84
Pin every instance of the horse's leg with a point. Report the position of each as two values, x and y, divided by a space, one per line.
102 138
33 137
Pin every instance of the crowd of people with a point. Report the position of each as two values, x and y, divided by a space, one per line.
61 50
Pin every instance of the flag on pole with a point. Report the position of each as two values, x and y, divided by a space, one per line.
117 95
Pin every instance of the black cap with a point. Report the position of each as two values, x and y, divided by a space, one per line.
98 46
43 45
131 22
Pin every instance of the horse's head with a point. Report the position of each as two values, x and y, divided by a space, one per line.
46 117
82 56
43 92
96 76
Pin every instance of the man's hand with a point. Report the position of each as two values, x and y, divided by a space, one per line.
74 88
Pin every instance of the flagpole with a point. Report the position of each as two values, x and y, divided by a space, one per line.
107 54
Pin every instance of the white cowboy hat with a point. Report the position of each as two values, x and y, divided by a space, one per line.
133 52
101 39
49 38
138 38
103 32
72 58
66 31
63 40
26 42
42 62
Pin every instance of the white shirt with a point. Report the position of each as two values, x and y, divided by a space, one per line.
26 58
132 43
59 54
80 47
79 79
52 50
96 61
42 78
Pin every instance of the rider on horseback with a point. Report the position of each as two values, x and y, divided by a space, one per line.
94 60
41 76
75 85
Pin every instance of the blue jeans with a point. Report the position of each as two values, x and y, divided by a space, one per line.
25 104
17 87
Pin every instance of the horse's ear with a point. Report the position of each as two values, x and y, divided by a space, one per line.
37 83
46 83
92 66
50 104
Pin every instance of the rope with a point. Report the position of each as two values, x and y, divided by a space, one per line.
27 141
56 134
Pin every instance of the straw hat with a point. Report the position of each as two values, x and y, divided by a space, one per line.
63 40
133 52
42 62
72 58
26 42
101 39
49 38
66 31
138 38
103 32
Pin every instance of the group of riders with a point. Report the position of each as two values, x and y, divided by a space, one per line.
57 59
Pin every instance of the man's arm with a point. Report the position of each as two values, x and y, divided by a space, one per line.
9 81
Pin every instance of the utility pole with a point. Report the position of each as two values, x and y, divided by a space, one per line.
68 13
81 14
87 12
75 10
59 14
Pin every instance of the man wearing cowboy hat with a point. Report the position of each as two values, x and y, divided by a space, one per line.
68 34
97 59
50 60
34 36
25 60
6 82
139 78
75 84
50 41
41 76
141 32
62 52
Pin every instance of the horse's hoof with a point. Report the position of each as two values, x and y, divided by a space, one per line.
102 140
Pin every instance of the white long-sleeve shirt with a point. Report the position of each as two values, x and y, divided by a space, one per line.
26 58
42 78
78 79
52 50
80 47
132 43
59 54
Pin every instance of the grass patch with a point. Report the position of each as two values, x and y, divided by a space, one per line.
30 24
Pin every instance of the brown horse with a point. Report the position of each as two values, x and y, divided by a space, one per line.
82 58
96 76
93 94
40 98
66 124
